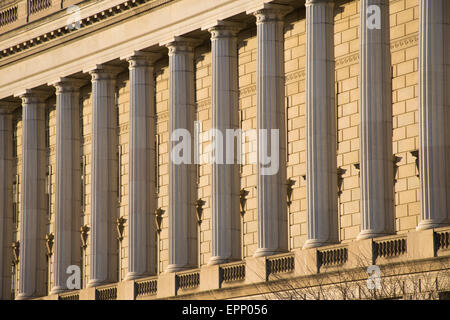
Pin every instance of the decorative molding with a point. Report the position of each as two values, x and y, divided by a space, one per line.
87 139
296 75
162 116
123 128
203 103
405 42
347 60
247 91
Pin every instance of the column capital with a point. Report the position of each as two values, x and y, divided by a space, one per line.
270 12
33 95
7 107
181 45
141 58
314 2
224 29
103 72
67 84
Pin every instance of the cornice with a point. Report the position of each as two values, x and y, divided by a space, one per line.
86 25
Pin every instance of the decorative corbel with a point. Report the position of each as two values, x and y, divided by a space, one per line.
120 224
158 219
199 209
84 236
396 160
49 241
289 185
415 154
16 252
243 200
340 180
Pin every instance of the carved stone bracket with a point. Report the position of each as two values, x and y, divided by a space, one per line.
340 180
357 166
199 209
120 224
16 252
49 241
396 160
289 185
243 200
84 236
158 219
415 154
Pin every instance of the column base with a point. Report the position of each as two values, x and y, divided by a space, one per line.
265 252
430 224
58 289
171 268
96 283
135 275
23 296
315 243
218 260
369 234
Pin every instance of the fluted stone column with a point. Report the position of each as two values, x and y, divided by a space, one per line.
321 171
225 169
104 175
68 178
375 124
272 209
6 196
182 175
141 163
433 113
32 202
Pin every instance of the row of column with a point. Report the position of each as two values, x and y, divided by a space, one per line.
375 136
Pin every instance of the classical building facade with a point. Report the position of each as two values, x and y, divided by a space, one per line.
92 93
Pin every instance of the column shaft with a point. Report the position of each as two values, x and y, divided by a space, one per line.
321 171
182 174
104 174
68 179
141 258
272 208
6 195
32 202
433 116
376 124
225 168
